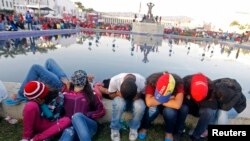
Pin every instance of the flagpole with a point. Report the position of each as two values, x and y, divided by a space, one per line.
39 12
139 11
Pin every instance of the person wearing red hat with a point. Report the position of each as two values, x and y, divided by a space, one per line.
163 93
199 102
51 74
78 88
40 123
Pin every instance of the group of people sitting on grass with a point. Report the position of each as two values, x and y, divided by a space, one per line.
57 105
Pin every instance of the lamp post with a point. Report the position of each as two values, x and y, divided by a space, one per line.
39 12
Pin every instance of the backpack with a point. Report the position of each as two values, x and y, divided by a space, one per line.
56 106
3 92
229 94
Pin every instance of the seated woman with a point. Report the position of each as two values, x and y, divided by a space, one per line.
83 106
42 113
164 94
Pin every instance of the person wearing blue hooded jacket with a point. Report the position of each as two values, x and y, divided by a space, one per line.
28 18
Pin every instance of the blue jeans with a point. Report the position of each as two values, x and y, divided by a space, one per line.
119 105
51 75
30 25
174 119
207 116
150 114
223 116
83 129
181 118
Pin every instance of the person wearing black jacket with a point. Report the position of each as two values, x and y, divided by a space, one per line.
231 100
199 102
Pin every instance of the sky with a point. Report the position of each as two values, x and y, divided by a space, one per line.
215 11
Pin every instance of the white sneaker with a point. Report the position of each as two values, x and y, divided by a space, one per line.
133 134
24 140
115 135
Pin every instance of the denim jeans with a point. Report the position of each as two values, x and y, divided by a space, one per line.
150 114
30 25
119 105
174 119
83 129
181 118
51 75
223 116
207 116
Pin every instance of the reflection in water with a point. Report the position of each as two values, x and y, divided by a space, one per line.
237 53
187 57
32 45
13 47
90 45
147 44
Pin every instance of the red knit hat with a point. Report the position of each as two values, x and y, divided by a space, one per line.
35 89
199 87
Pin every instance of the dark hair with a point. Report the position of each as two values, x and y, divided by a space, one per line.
152 79
52 94
178 82
88 92
128 89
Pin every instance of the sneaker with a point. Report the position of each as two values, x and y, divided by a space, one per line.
11 102
141 136
24 140
167 139
204 134
177 137
115 135
133 134
192 138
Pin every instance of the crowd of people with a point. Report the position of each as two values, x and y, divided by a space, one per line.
70 107
30 21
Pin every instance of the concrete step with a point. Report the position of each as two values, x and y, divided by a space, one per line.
16 111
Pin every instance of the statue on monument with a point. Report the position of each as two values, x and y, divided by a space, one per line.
150 6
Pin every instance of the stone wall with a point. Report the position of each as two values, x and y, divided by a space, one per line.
145 33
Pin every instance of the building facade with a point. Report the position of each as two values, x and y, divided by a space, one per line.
20 6
7 5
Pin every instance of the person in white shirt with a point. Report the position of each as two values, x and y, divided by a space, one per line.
126 90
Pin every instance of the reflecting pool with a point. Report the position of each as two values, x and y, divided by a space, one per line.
107 54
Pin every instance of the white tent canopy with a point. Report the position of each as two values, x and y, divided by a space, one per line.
53 17
49 16
36 7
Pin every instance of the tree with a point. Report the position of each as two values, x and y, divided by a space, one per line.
234 23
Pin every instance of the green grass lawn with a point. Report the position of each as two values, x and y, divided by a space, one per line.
10 132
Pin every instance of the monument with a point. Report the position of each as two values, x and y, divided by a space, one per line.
147 28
